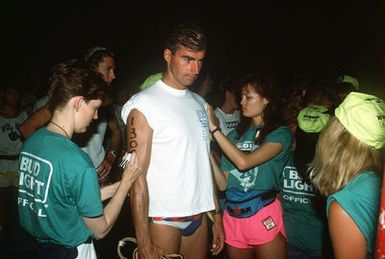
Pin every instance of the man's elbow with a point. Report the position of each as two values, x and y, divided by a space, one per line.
23 131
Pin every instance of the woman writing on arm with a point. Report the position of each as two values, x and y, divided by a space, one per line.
59 199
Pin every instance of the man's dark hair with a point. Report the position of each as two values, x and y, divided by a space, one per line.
187 35
95 55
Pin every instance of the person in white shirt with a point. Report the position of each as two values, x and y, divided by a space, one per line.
167 126
227 112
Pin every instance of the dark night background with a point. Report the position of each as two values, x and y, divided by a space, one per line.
320 38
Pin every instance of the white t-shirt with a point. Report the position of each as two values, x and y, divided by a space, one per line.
227 122
179 174
94 147
10 145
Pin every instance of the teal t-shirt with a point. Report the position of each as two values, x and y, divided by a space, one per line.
57 187
360 198
302 211
266 176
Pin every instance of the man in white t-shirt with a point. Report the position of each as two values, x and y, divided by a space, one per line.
167 126
227 112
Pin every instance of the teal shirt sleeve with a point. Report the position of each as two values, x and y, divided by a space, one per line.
281 135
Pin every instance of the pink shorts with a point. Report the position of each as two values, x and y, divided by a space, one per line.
259 229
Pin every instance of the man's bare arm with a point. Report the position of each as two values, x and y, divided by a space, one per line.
37 120
220 179
139 139
217 228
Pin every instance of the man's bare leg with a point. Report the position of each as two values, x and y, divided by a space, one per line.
166 237
172 242
195 246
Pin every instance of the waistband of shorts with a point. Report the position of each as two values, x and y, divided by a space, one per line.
269 195
178 219
267 198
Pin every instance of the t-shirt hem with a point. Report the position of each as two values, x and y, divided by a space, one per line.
183 213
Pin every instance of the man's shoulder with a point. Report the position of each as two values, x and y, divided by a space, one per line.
198 98
147 94
145 101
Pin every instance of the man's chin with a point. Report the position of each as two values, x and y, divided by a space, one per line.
188 83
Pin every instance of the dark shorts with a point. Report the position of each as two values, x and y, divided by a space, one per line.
50 250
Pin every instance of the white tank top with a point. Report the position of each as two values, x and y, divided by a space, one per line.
179 175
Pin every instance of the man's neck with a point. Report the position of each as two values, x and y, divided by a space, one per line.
172 83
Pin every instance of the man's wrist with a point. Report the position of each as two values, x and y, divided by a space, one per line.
111 156
218 211
217 217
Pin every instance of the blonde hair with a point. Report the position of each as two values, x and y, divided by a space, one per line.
339 157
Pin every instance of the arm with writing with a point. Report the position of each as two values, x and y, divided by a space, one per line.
139 139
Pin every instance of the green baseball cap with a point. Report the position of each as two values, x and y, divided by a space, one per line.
363 115
150 80
349 79
313 118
